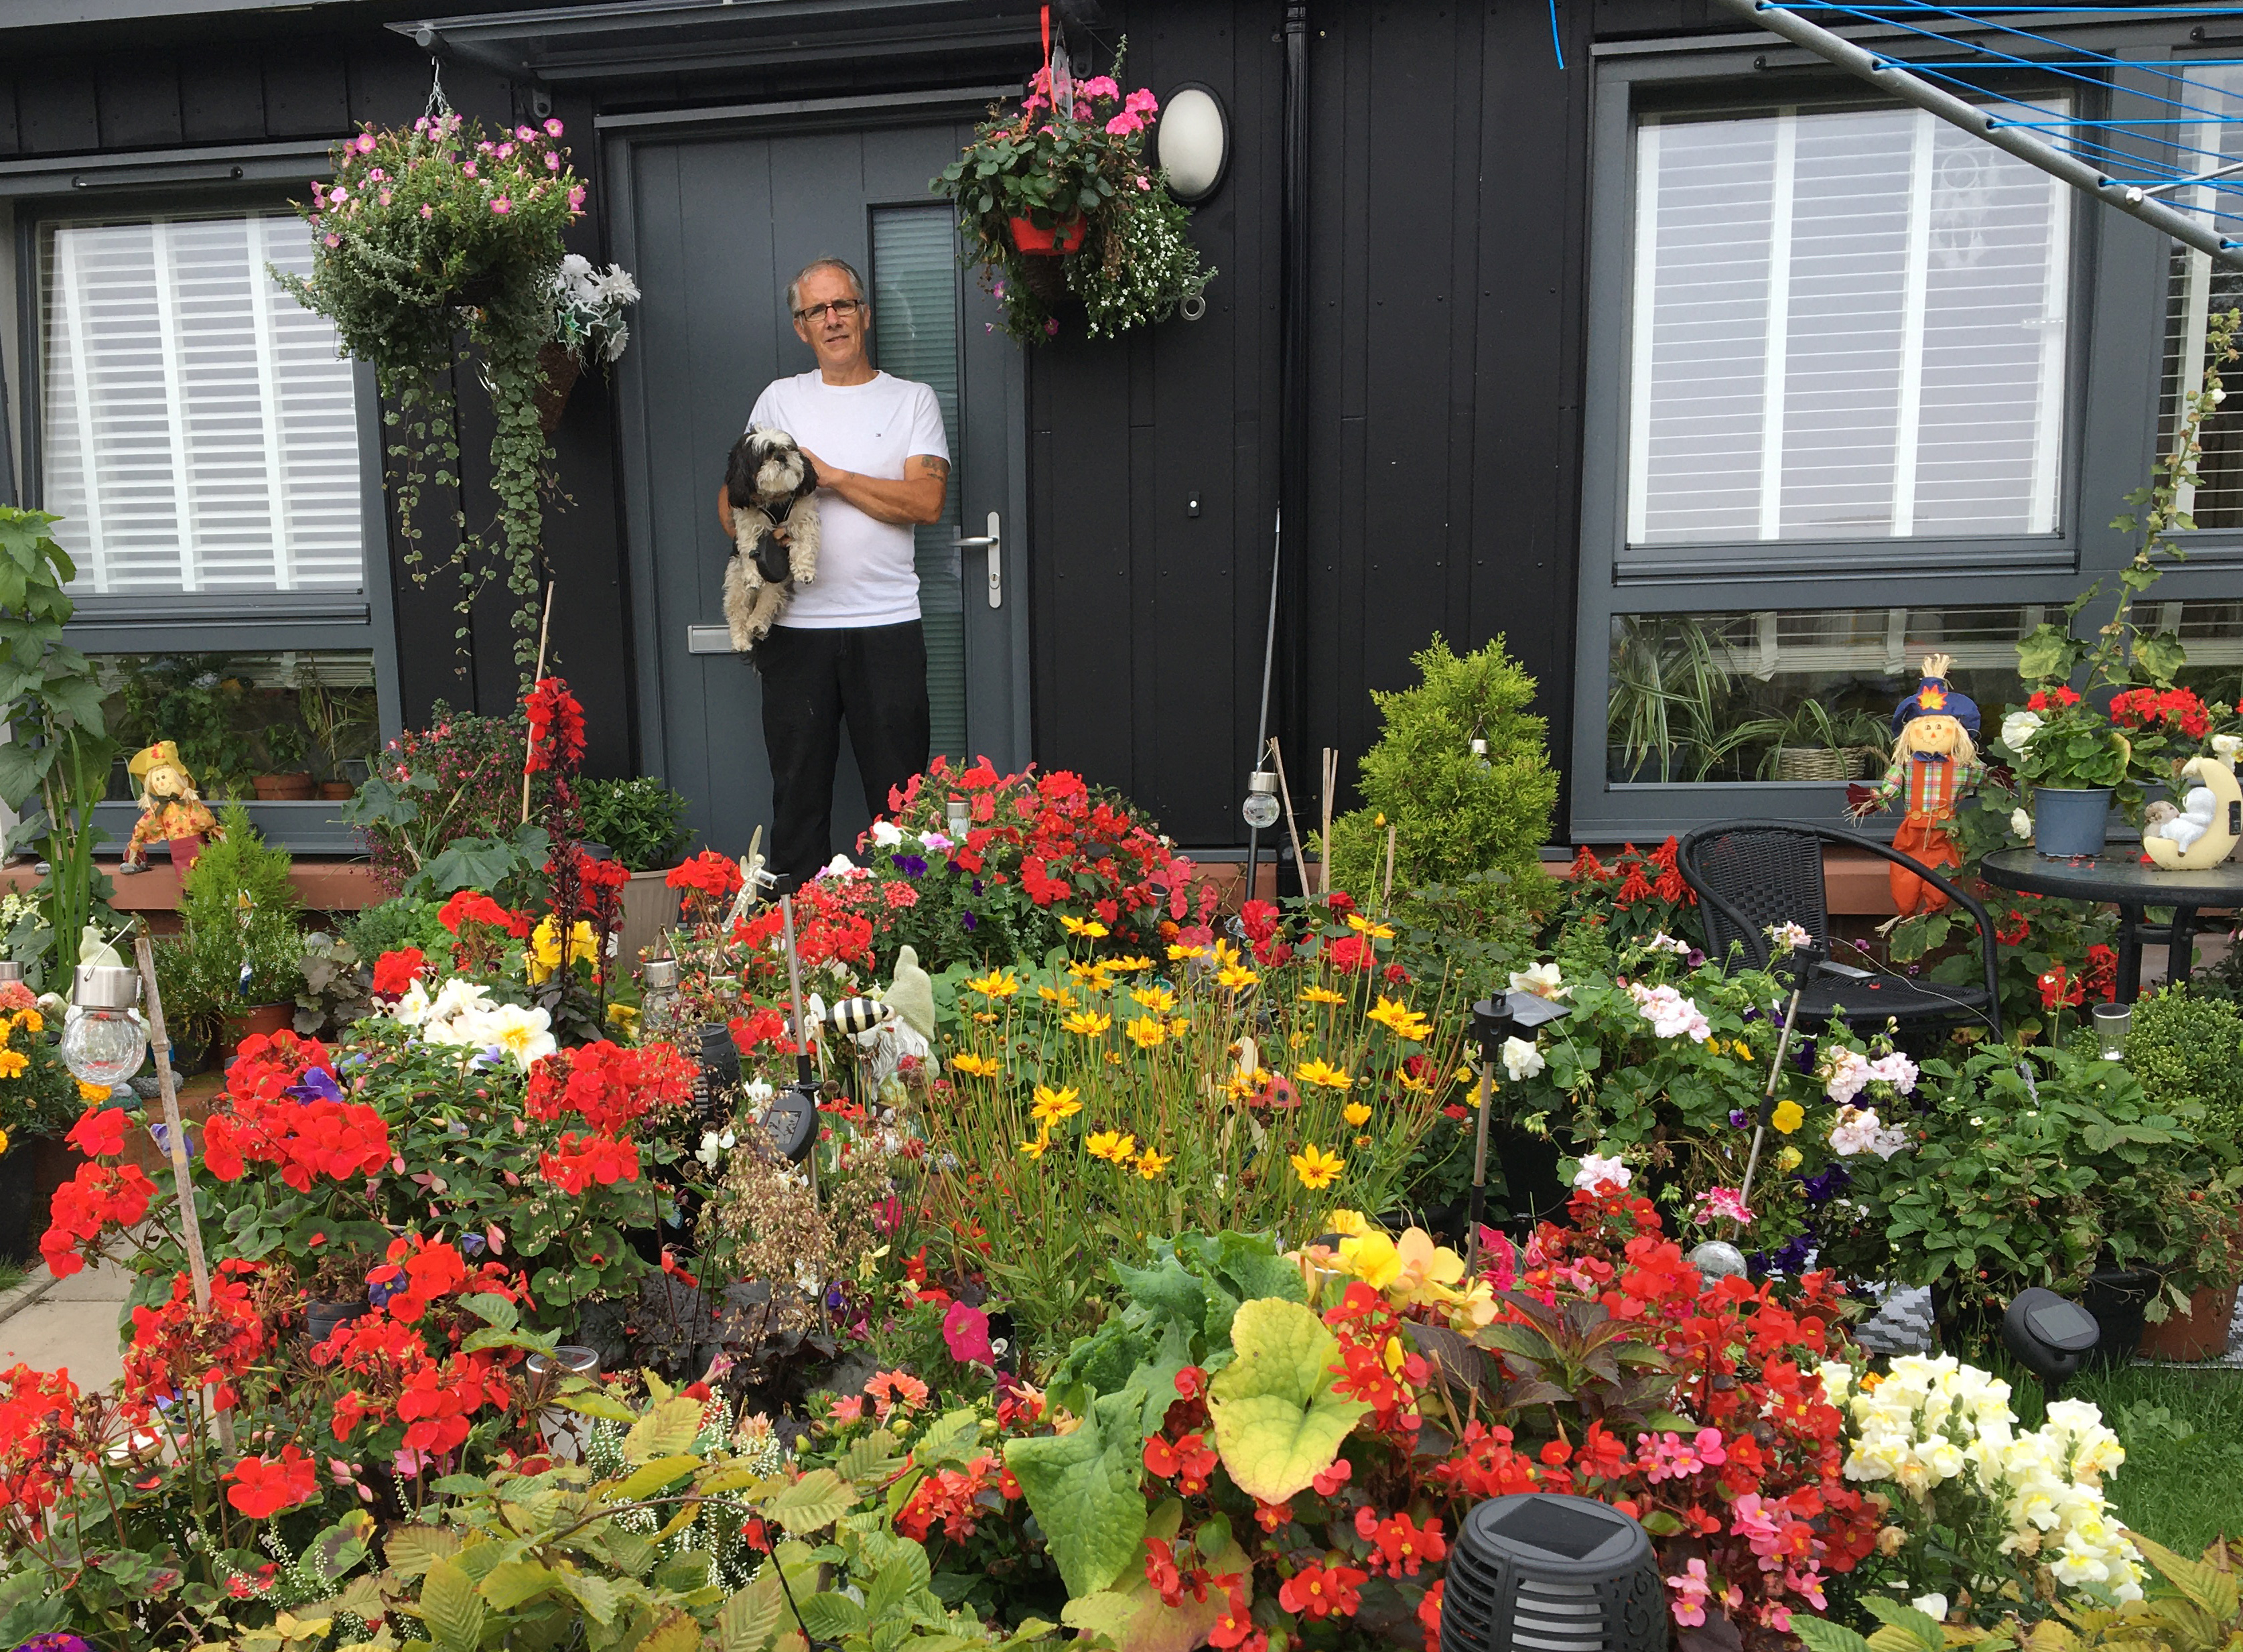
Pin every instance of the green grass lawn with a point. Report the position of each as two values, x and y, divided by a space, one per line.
12 1275
2183 1430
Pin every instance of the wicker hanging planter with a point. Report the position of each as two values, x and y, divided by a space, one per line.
558 369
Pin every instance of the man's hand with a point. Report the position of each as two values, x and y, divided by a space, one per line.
914 500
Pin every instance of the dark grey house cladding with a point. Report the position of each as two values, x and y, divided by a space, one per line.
1491 427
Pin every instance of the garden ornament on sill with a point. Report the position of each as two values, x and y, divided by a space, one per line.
1935 760
771 488
2205 828
171 809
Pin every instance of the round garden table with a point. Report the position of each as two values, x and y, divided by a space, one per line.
2122 879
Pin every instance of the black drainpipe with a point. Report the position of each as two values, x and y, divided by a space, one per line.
1289 585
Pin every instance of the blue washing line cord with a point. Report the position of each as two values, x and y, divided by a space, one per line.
1557 42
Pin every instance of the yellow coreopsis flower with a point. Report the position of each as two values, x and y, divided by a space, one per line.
1234 978
1226 952
1363 926
1159 1000
998 983
1086 1023
1177 955
1057 996
1416 1084
1322 996
1400 1019
1355 1114
1035 1150
1148 1032
1466 1075
1322 1072
1317 1169
1085 975
976 1066
1788 1117
1150 1165
1345 1223
1244 1083
1088 929
1111 1145
1129 965
1053 1105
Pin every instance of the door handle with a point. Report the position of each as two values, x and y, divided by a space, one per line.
995 542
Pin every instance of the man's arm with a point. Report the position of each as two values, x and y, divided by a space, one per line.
915 500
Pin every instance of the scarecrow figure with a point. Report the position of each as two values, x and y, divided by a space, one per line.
1934 762
171 809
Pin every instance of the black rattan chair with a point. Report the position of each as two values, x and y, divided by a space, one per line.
1751 875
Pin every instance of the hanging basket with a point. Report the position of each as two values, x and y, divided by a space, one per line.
1061 238
1047 279
558 369
1812 762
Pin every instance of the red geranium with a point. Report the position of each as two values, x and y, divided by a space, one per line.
579 1161
472 906
395 972
556 726
265 1486
99 1134
609 1086
99 1197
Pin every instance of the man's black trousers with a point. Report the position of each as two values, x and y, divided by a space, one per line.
875 678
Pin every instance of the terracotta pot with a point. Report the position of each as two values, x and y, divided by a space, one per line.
649 907
558 372
257 1018
1064 237
277 788
2201 1333
337 791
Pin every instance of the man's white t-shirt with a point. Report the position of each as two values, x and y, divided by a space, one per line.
865 574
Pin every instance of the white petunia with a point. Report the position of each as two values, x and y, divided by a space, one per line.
886 834
2019 729
1521 1059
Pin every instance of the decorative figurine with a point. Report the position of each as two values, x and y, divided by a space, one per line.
2205 828
171 809
1934 762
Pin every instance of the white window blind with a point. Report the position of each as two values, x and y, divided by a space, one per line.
199 431
1847 324
2198 290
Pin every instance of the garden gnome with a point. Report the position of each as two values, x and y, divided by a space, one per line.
1934 762
171 809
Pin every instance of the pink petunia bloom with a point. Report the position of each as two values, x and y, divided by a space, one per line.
1144 182
427 211
552 162
966 1330
552 128
524 133
366 143
501 204
469 169
577 198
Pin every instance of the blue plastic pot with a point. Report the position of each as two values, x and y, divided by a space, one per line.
2068 822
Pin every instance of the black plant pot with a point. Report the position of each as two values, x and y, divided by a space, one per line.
30 1171
323 1319
720 1070
1533 1190
2118 1298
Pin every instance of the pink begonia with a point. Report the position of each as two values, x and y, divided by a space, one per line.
1123 123
1808 1585
1762 1527
1671 1457
1141 102
1692 1590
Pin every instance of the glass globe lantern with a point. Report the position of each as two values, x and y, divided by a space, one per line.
1261 805
105 1041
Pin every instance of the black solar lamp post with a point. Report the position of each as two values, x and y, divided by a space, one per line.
1549 1572
1495 1020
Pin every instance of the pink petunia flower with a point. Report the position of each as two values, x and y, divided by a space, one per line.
501 204
553 128
366 143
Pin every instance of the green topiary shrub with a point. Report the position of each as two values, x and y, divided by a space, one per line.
1455 813
2183 1047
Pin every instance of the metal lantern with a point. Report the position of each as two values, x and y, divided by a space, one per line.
1551 1573
104 1042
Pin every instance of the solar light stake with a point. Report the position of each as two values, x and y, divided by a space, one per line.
1801 960
1493 1021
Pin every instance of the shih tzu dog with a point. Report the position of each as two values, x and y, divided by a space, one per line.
769 483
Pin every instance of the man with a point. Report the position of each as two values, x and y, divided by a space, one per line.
848 645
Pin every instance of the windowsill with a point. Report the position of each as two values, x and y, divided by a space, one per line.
312 826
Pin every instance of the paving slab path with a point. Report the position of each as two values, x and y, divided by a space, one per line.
54 1325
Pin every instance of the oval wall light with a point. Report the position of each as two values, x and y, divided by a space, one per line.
1193 142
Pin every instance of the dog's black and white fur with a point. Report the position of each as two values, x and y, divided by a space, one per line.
774 531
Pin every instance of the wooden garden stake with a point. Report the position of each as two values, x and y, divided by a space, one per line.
1285 793
529 748
1386 895
175 1131
1331 785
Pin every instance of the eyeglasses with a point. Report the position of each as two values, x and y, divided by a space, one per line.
842 308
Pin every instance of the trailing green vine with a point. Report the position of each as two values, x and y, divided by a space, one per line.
423 236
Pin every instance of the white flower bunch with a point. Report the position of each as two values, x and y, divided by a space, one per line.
1521 1059
461 1013
1595 1171
1847 1073
2018 729
1935 1422
1670 1014
1859 1131
588 307
1543 981
1789 937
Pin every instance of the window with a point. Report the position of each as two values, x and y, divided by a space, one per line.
1846 324
199 431
2196 290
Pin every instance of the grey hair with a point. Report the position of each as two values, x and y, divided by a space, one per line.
856 281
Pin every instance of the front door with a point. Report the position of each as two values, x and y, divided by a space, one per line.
714 225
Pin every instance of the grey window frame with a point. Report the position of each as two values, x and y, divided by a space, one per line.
248 177
2119 290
